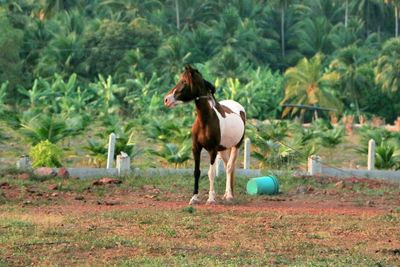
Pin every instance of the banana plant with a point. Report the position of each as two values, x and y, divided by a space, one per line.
108 94
38 94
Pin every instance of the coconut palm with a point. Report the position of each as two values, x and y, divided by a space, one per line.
280 30
307 84
396 5
314 36
350 64
371 12
11 42
387 70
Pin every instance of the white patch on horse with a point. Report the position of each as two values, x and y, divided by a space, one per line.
232 126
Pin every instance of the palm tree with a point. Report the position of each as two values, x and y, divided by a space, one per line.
314 36
396 5
307 84
280 34
52 7
387 70
350 64
371 11
346 13
11 42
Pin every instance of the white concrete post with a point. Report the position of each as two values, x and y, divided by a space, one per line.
247 147
371 154
24 163
314 165
123 164
111 149
219 168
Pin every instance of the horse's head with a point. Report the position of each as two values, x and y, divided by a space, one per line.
191 86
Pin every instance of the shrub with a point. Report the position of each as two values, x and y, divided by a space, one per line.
46 154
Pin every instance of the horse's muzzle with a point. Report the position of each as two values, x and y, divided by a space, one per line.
169 101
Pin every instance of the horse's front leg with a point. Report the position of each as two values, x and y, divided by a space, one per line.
211 177
196 155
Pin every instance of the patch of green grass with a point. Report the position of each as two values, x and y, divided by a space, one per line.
189 209
393 218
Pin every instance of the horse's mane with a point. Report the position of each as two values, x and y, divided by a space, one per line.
194 78
210 86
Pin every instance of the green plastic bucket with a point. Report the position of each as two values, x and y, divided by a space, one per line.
267 185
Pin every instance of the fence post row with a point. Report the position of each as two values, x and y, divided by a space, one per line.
247 147
371 154
314 165
123 164
111 150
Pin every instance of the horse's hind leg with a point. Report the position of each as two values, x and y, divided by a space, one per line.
230 173
211 177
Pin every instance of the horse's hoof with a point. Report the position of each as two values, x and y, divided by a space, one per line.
194 200
229 200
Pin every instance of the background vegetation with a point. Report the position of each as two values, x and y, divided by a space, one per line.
66 65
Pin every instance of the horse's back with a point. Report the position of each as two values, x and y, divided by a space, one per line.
233 105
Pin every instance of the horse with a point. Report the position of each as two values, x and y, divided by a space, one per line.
218 128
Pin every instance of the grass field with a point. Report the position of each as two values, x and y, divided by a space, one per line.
147 222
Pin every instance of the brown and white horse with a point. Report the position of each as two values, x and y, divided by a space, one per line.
218 128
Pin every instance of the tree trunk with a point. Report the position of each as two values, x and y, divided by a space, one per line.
178 22
367 19
346 14
396 16
283 30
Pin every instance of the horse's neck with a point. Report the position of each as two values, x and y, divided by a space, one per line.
204 109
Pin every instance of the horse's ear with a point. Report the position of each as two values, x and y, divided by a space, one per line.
188 68
210 86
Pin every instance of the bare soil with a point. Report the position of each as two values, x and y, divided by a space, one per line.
152 226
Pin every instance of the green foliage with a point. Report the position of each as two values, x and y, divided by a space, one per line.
379 135
52 128
387 70
3 95
173 154
307 84
97 152
325 134
352 65
259 92
46 154
168 130
11 41
281 145
387 156
81 61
